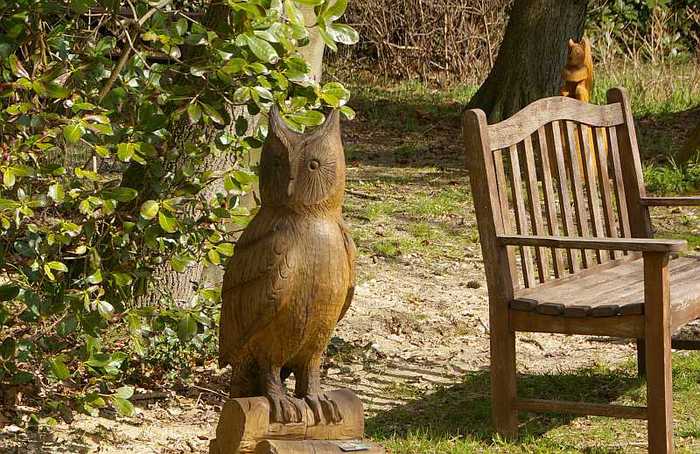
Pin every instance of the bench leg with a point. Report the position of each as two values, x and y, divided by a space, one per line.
658 353
641 358
659 395
503 376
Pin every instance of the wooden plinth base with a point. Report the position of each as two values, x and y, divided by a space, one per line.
316 447
245 427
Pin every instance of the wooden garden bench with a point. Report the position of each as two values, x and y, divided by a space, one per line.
570 250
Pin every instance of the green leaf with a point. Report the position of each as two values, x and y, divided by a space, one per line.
194 112
167 223
22 377
186 328
214 257
58 266
8 178
348 112
262 49
72 133
327 38
293 13
122 279
59 368
125 392
307 118
8 292
57 91
105 309
342 33
95 278
120 194
180 262
149 209
215 116
225 249
8 348
334 11
125 151
56 192
6 204
123 406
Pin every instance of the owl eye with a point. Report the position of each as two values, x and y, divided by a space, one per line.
314 164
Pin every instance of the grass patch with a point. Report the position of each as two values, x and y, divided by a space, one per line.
421 222
407 105
456 419
672 178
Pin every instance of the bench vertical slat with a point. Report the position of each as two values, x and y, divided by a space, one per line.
520 215
585 137
549 203
605 188
576 173
640 222
619 185
554 132
535 207
503 203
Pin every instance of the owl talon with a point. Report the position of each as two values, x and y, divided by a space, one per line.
324 409
284 410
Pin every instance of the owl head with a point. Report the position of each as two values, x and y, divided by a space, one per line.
302 170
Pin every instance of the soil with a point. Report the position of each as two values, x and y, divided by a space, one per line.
419 321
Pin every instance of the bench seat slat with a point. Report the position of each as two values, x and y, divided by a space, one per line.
611 291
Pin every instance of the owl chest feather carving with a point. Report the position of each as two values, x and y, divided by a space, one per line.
292 275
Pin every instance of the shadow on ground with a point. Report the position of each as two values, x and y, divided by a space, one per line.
423 130
464 409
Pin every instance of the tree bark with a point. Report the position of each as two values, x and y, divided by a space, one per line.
691 149
531 57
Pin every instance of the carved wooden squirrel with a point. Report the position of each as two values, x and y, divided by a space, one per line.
292 275
578 72
578 84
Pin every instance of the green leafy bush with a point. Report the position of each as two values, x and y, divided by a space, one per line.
649 30
114 128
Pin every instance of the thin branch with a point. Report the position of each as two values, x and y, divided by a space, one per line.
126 55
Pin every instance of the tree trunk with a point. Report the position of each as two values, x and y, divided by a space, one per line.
181 287
531 57
691 149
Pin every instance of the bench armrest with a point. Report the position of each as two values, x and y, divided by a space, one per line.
610 244
671 201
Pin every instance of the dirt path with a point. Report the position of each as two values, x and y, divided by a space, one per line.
419 321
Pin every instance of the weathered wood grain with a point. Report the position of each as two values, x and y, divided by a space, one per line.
245 422
547 110
312 447
594 204
292 274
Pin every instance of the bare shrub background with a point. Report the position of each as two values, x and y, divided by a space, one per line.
443 41
433 40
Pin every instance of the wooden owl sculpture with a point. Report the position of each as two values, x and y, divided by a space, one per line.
292 275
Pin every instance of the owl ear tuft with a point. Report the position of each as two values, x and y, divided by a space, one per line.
332 123
279 128
571 42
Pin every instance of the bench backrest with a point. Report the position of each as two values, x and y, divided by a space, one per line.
558 167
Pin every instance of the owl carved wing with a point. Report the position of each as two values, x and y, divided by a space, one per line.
351 252
257 285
